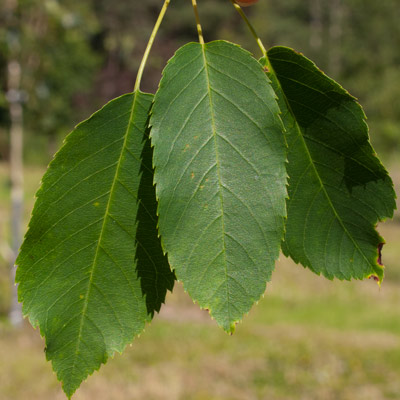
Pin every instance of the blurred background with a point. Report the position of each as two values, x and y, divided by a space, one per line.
308 338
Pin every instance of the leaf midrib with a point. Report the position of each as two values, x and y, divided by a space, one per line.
106 216
218 172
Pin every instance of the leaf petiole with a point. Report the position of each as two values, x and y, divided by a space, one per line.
199 29
253 32
150 44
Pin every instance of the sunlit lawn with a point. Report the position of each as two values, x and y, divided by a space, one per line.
308 338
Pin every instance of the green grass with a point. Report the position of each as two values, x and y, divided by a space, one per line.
308 339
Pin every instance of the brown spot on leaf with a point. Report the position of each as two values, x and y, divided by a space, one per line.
374 277
266 69
380 245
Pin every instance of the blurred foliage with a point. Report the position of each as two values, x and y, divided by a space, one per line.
76 55
51 41
355 42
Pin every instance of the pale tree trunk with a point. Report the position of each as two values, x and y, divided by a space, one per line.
16 172
17 178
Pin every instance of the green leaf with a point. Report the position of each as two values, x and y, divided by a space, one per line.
338 189
219 157
91 271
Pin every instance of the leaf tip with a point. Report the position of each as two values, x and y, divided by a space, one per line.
232 328
376 278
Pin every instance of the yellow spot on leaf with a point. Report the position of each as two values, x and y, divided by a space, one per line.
192 175
96 204
187 147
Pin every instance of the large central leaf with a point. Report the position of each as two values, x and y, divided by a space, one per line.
338 189
91 269
219 157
